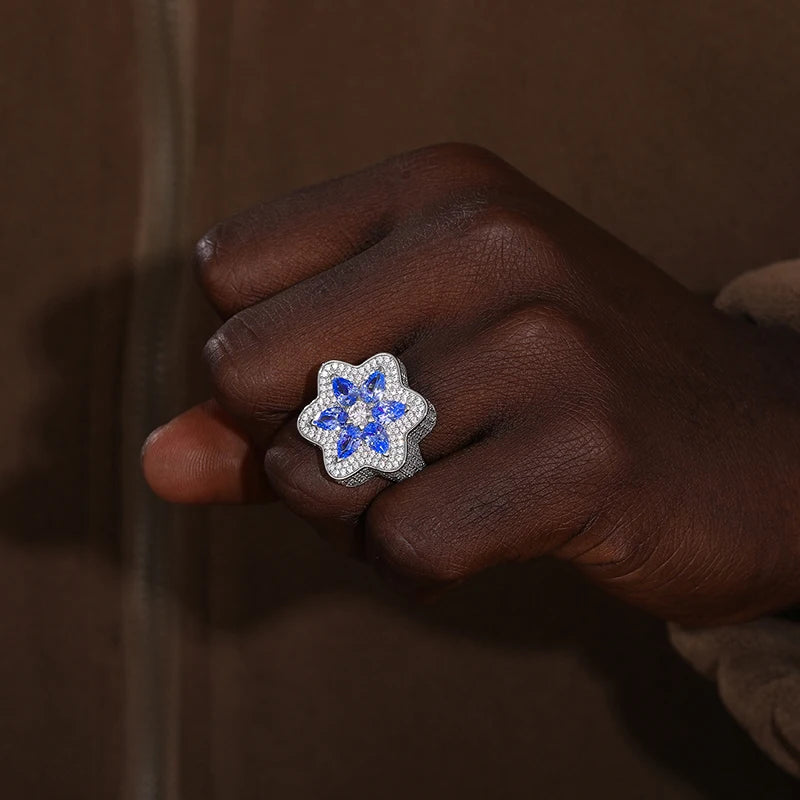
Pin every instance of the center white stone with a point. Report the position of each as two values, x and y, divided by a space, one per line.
359 414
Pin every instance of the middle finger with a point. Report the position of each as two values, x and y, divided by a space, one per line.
262 360
478 379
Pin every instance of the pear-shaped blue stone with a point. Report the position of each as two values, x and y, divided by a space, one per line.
373 387
330 418
388 412
346 391
348 442
376 437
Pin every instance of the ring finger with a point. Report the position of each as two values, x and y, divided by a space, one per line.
473 378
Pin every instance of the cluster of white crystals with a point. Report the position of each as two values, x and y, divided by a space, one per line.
365 461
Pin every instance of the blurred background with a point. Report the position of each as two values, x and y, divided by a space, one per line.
153 653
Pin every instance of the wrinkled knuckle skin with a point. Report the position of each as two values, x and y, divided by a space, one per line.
208 261
287 475
608 456
216 265
222 363
541 324
599 455
495 221
407 546
228 355
456 155
503 238
550 337
455 167
391 541
388 533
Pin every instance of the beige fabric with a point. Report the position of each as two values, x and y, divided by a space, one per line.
757 664
770 295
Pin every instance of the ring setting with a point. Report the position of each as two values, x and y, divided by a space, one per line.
367 421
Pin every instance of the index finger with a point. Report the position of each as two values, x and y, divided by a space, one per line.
257 253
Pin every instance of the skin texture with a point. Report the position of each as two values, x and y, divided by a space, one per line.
590 408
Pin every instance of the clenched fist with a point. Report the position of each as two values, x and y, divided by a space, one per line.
589 407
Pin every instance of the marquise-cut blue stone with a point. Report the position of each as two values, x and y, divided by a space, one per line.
373 387
388 412
348 442
330 418
376 436
346 391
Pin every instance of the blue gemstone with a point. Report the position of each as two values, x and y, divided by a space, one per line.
330 418
376 436
348 442
346 391
389 412
373 386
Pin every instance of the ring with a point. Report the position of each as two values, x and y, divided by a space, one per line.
367 420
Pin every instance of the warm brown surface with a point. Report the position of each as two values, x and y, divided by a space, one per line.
674 125
69 195
671 124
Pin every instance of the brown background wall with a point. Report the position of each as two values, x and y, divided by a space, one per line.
298 676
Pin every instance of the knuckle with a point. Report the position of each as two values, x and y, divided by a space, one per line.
254 372
407 545
388 531
550 337
295 479
602 444
208 257
495 221
205 252
216 265
455 167
228 354
618 556
222 362
458 154
501 236
285 478
541 328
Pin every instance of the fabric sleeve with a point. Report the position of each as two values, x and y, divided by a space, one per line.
756 665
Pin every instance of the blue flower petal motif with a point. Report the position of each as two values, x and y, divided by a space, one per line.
330 418
373 387
349 442
377 438
346 391
338 417
366 420
388 412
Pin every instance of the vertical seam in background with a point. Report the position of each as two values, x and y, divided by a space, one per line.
152 390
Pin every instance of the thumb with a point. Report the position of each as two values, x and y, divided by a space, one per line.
201 456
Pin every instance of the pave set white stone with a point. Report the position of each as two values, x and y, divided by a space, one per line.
378 384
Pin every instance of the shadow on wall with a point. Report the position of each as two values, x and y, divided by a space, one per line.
72 501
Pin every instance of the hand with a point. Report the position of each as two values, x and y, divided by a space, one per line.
589 406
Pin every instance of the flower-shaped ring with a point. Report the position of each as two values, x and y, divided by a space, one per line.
367 421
